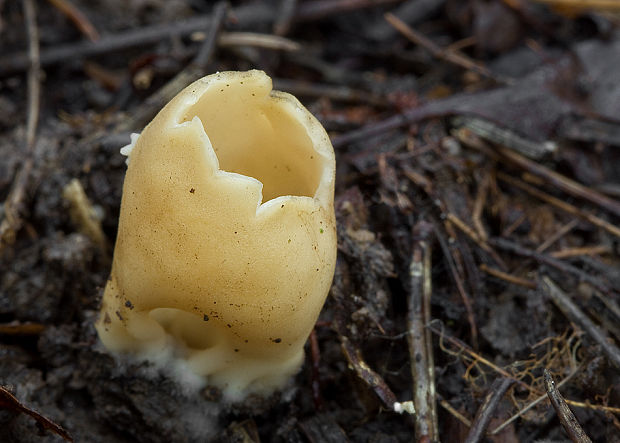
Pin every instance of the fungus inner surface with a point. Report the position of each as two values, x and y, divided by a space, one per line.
258 135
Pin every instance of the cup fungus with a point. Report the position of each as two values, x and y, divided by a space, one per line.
226 242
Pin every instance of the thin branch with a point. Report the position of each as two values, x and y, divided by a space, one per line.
481 198
448 251
456 414
491 132
368 375
611 5
515 248
191 73
450 56
13 205
566 416
18 328
207 48
34 73
10 402
336 93
77 17
12 63
520 413
419 338
477 358
565 229
471 319
575 315
487 408
584 250
267 41
285 15
436 108
83 215
463 227
509 277
563 183
315 356
560 204
459 344
245 16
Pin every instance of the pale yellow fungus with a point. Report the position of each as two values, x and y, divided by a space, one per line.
226 243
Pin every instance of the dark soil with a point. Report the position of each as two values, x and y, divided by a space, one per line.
478 200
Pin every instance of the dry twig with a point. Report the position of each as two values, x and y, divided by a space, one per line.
608 5
575 315
508 277
522 411
485 412
585 250
284 18
565 229
467 353
477 358
598 282
249 15
18 328
479 203
437 108
191 73
452 218
451 56
449 253
505 137
12 63
563 183
364 372
14 203
419 338
10 402
566 416
83 215
336 93
266 41
79 20
560 204
448 407
469 308
315 375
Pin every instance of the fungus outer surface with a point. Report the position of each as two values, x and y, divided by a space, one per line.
226 243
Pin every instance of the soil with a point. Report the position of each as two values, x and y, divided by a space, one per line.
477 200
